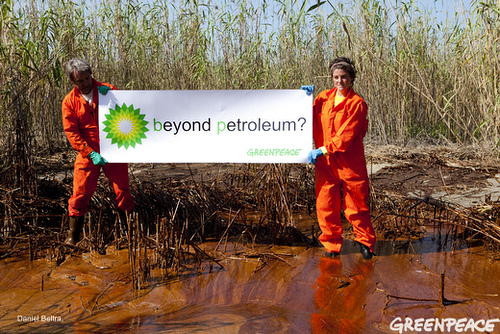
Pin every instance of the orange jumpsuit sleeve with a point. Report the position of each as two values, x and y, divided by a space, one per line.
320 101
345 123
79 125
71 124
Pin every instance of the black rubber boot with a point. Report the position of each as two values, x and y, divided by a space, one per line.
331 254
365 251
75 228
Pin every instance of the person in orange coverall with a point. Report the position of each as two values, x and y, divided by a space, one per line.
81 125
339 125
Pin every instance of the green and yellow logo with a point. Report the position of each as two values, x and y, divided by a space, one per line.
125 126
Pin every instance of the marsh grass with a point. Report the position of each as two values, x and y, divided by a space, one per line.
422 78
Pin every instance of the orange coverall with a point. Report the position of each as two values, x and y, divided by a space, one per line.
341 130
81 125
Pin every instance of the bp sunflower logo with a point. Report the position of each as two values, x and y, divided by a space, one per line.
125 126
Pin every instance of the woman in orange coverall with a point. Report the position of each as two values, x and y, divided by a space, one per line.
80 121
339 125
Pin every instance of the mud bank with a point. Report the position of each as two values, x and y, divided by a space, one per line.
279 290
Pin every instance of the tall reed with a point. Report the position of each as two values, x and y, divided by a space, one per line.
423 78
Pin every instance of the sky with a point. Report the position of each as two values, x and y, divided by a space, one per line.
441 9
444 8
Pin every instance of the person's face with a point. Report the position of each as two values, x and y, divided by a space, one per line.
83 81
341 79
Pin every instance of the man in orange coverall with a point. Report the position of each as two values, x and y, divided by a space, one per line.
339 125
81 125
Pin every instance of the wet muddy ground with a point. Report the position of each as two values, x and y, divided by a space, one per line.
278 289
292 290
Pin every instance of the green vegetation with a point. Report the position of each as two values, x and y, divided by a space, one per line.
422 78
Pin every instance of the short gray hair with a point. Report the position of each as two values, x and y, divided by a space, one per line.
78 65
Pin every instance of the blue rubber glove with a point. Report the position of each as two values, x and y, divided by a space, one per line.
309 89
313 155
103 89
97 159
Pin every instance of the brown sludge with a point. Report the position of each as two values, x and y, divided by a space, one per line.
297 291
424 268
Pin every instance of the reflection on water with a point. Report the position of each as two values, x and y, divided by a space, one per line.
297 291
340 298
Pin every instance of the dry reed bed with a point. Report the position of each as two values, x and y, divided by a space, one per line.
406 218
176 215
169 222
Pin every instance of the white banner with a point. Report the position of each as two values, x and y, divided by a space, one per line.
243 126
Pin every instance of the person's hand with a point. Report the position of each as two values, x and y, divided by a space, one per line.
309 89
313 155
97 159
103 89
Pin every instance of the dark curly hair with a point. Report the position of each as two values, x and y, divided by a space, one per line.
345 64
